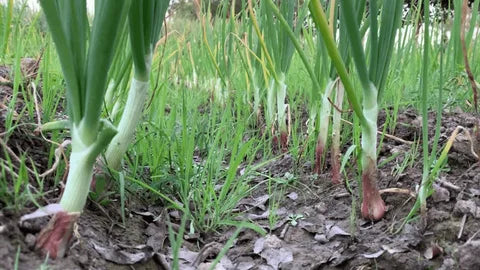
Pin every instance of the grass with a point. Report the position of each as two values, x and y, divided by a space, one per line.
200 141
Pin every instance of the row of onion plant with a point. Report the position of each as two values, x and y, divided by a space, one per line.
384 20
276 47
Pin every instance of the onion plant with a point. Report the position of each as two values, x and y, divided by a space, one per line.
330 84
372 77
85 55
255 67
221 56
323 77
432 164
145 21
336 128
278 49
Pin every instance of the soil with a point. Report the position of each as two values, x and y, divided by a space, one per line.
314 226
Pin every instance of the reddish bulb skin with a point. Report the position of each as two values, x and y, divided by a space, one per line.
284 141
373 206
275 142
93 184
336 178
55 237
318 157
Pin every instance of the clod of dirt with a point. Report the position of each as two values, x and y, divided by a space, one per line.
270 248
157 236
186 258
437 215
280 212
245 265
312 224
448 264
467 255
208 266
258 202
440 194
467 207
224 264
333 230
269 241
276 257
121 255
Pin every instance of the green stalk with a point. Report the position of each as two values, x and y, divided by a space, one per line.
145 21
82 159
431 165
281 91
457 25
323 122
321 68
422 192
322 25
278 48
373 81
473 22
130 118
6 30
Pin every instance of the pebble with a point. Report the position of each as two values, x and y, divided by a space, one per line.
293 196
30 241
321 208
322 238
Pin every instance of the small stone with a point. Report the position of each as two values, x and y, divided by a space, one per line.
321 208
322 238
307 164
30 240
293 196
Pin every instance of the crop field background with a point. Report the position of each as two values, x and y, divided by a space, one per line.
239 134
